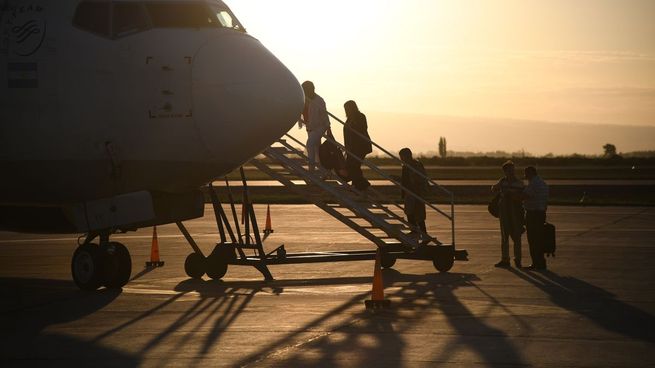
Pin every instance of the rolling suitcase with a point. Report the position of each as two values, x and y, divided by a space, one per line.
549 240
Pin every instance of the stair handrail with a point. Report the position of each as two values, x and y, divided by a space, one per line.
339 179
429 180
398 234
380 172
397 159
388 177
450 217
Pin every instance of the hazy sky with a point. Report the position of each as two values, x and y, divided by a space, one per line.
590 61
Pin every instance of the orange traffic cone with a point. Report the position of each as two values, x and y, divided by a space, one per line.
269 228
377 297
154 251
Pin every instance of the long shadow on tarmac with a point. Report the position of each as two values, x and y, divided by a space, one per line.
218 306
376 338
594 303
28 306
345 331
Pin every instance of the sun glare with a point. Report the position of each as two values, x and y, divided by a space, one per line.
323 32
472 58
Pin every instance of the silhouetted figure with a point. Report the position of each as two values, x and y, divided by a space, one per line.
511 214
357 142
535 202
417 184
317 122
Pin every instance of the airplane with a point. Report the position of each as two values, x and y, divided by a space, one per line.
113 114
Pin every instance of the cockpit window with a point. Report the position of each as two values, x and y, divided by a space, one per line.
93 16
117 19
185 15
129 18
227 19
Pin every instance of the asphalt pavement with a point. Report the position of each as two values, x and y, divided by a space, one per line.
594 307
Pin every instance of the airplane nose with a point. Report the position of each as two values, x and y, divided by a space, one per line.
244 98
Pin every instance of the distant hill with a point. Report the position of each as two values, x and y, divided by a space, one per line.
422 132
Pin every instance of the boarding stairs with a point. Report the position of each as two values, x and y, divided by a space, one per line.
367 212
382 226
377 218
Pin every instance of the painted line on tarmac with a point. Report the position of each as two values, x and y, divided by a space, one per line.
305 233
193 294
570 230
264 291
565 212
114 237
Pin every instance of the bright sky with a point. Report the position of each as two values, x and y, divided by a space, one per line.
590 61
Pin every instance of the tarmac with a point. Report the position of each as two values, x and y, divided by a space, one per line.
467 182
594 307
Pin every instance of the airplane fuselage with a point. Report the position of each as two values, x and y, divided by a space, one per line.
89 114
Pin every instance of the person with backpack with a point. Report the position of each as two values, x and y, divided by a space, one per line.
510 214
417 184
357 143
535 202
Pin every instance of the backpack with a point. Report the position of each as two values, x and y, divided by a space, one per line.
494 206
330 156
549 239
419 182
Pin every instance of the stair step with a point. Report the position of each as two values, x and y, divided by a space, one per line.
279 149
398 226
364 212
247 246
384 216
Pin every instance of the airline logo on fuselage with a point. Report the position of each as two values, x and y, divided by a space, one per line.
23 29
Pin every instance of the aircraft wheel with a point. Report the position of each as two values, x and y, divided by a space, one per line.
117 265
388 260
86 267
194 265
443 261
216 266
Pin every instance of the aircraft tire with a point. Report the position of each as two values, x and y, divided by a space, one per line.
388 260
116 264
216 266
86 267
443 262
194 265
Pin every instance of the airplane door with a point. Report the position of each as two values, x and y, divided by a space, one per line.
168 77
155 85
157 56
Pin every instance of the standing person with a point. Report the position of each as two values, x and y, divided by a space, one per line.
414 208
357 142
510 214
317 122
535 202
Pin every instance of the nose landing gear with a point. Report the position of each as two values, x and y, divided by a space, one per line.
108 264
85 267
